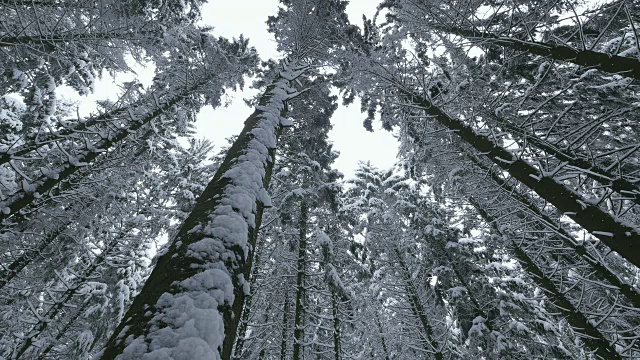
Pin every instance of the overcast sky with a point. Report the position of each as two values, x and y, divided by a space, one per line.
248 17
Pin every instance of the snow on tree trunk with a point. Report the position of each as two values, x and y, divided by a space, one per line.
254 267
568 240
55 182
619 236
191 304
606 177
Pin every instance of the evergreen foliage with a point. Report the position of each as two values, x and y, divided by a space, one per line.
508 228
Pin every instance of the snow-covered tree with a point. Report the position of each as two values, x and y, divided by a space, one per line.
506 230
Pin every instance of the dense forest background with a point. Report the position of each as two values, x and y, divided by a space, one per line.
508 228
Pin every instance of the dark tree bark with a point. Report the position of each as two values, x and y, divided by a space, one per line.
383 342
238 306
592 337
601 270
67 296
298 329
463 281
603 176
33 142
22 200
246 311
337 347
64 329
35 253
30 255
613 64
589 334
285 327
416 306
614 233
176 265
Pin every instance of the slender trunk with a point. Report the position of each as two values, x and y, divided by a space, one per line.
29 256
463 282
604 176
613 232
337 348
213 242
285 326
608 63
600 269
55 237
62 331
337 294
298 330
242 328
416 306
382 340
592 338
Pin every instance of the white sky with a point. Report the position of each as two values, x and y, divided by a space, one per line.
106 87
231 18
248 17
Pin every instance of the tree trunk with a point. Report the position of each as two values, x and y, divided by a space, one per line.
33 142
610 230
239 301
601 270
213 242
613 64
34 254
298 330
592 337
416 306
30 255
285 326
19 201
337 348
456 270
62 331
382 340
242 328
616 182
246 311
